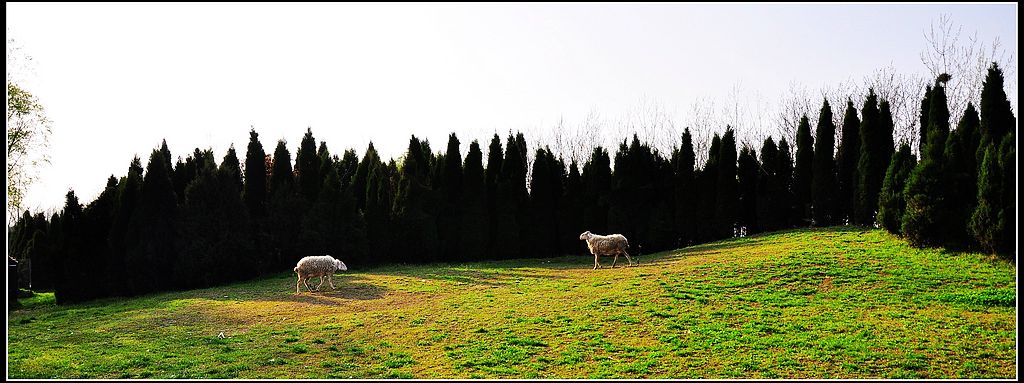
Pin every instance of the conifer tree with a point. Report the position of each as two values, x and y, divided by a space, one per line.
472 211
784 176
379 199
254 191
128 191
494 158
747 179
346 168
960 169
707 183
685 191
597 182
870 167
927 218
803 173
511 201
571 211
891 202
417 240
727 200
285 208
451 193
823 185
307 167
360 179
847 159
152 238
71 257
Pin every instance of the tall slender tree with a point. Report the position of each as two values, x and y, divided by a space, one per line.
847 158
472 211
823 185
803 173
891 202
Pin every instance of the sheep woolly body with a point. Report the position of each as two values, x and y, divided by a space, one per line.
317 266
599 245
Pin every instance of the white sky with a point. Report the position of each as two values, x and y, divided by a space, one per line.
115 79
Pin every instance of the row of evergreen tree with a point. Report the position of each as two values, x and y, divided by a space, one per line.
197 223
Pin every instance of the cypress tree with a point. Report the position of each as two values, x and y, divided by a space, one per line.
747 179
785 181
847 159
707 183
360 179
285 209
231 168
891 204
768 208
823 185
927 219
726 203
571 212
217 243
97 219
624 202
152 237
993 222
597 182
997 117
379 199
870 165
334 226
347 168
960 169
417 240
803 173
494 158
307 167
1008 215
987 222
70 259
545 190
685 191
511 201
451 192
128 192
472 211
254 191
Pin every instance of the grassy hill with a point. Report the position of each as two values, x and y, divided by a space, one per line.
828 303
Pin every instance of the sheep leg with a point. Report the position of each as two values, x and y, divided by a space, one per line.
297 284
595 262
321 283
629 259
615 260
305 282
329 280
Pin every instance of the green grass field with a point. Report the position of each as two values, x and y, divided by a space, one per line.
828 303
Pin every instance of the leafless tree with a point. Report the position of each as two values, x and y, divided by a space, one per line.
966 61
795 103
903 91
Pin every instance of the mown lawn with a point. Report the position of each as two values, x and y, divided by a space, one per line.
828 303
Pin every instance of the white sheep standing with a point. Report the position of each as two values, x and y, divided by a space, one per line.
599 245
317 266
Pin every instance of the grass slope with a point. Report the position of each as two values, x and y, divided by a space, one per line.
828 303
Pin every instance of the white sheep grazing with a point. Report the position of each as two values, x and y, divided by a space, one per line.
607 245
317 266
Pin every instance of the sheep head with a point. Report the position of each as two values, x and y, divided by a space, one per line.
585 236
340 265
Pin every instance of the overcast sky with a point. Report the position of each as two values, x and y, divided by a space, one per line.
115 79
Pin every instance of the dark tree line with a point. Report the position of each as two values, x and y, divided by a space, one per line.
201 223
